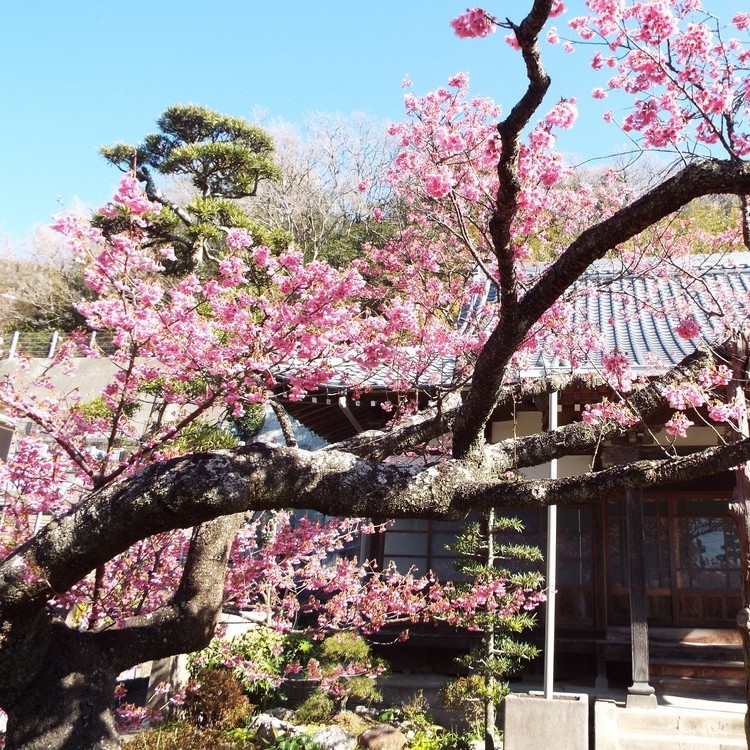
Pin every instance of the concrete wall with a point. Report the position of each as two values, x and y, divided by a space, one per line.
533 723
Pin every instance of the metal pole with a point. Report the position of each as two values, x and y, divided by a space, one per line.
549 624
53 345
13 345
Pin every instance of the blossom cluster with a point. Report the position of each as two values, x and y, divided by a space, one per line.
616 368
606 410
682 65
475 22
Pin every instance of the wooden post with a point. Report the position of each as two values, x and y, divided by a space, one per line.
640 694
739 507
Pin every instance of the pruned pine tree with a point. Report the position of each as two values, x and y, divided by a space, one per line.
224 159
488 558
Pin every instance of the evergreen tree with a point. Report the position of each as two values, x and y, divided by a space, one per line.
502 570
223 158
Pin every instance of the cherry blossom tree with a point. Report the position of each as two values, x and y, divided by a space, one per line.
485 191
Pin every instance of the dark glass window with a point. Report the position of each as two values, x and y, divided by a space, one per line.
421 544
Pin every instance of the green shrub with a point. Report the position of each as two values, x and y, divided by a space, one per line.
264 655
244 737
295 742
316 709
351 722
182 736
467 695
423 740
433 737
363 689
348 668
343 648
416 709
454 741
216 700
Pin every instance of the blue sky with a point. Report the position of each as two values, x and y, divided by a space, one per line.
79 74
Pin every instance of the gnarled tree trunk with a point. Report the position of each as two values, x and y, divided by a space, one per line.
57 684
66 702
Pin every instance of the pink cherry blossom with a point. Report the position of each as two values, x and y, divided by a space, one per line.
606 410
678 425
475 22
616 368
726 412
437 184
239 239
674 58
558 8
688 328
685 395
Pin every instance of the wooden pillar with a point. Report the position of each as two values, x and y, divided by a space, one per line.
640 694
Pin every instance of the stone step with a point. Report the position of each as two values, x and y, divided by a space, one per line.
696 652
649 742
700 687
667 728
665 722
694 668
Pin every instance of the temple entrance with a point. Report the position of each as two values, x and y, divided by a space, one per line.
691 561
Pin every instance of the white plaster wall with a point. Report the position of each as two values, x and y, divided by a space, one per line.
696 436
529 423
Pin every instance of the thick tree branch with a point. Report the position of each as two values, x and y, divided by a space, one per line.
184 492
432 423
154 194
190 617
599 485
190 490
287 428
694 181
509 182
580 437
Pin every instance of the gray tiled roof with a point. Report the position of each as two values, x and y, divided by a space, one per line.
637 310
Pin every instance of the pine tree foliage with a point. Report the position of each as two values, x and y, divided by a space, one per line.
223 159
486 557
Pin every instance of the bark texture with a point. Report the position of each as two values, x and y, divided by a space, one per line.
67 702
57 683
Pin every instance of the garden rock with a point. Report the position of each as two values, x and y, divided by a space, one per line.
367 711
285 714
335 738
382 737
268 728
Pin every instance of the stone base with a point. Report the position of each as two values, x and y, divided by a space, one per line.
635 700
641 695
533 722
